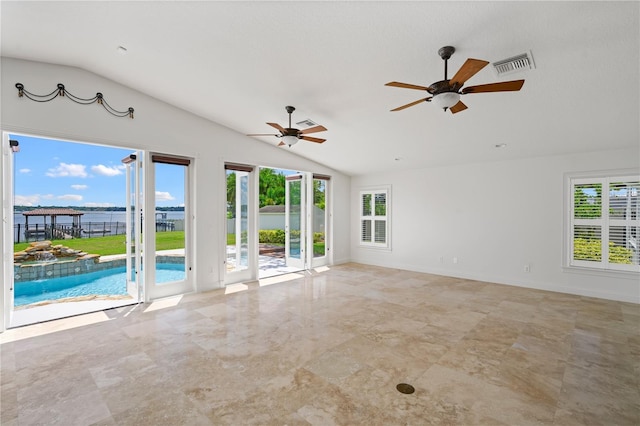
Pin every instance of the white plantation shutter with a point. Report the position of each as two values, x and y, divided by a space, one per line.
605 223
624 222
381 232
374 218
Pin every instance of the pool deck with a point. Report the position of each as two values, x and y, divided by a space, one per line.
174 252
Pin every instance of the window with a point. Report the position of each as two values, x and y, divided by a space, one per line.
605 223
374 218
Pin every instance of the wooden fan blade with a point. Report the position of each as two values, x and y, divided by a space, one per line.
313 130
277 126
263 134
411 104
458 107
505 86
311 139
407 86
467 70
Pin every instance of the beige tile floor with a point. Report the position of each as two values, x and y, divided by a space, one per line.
330 348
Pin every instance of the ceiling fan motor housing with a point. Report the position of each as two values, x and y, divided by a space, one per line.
288 131
444 86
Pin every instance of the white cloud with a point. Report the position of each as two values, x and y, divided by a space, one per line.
103 170
27 200
164 196
70 197
99 205
31 200
79 187
25 170
68 170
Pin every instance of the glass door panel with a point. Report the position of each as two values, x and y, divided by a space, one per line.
295 222
170 184
319 221
237 221
133 225
169 195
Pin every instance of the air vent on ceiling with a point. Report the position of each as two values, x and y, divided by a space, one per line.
521 62
306 123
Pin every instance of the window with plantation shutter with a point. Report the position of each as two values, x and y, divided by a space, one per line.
374 218
605 223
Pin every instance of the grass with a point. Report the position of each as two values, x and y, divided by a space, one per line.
318 248
169 240
114 244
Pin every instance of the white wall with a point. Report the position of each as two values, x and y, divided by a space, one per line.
495 218
160 127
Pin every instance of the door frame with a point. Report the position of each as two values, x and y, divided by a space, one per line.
316 262
134 213
6 230
251 272
152 290
7 182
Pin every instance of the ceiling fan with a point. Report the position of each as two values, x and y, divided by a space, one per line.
289 135
446 93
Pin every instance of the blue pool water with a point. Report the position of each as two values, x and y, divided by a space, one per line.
107 282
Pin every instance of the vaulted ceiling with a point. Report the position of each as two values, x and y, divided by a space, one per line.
240 63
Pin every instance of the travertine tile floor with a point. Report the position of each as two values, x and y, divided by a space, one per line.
330 348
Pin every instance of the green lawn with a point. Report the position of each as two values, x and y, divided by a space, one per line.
114 244
318 248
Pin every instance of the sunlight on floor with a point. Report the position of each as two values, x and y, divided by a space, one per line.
235 288
280 279
169 302
16 334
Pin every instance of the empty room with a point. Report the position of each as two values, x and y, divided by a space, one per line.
320 213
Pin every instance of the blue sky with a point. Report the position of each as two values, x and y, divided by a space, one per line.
56 173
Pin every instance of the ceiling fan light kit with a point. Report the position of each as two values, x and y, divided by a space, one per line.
446 100
446 93
290 140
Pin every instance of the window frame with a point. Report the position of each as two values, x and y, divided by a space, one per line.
605 222
373 218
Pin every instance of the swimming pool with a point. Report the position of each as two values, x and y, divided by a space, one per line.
109 282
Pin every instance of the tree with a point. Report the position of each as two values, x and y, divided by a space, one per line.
587 201
231 194
272 187
319 188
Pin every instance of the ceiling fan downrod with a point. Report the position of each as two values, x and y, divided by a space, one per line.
290 109
445 53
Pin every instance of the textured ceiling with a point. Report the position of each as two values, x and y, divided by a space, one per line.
239 63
